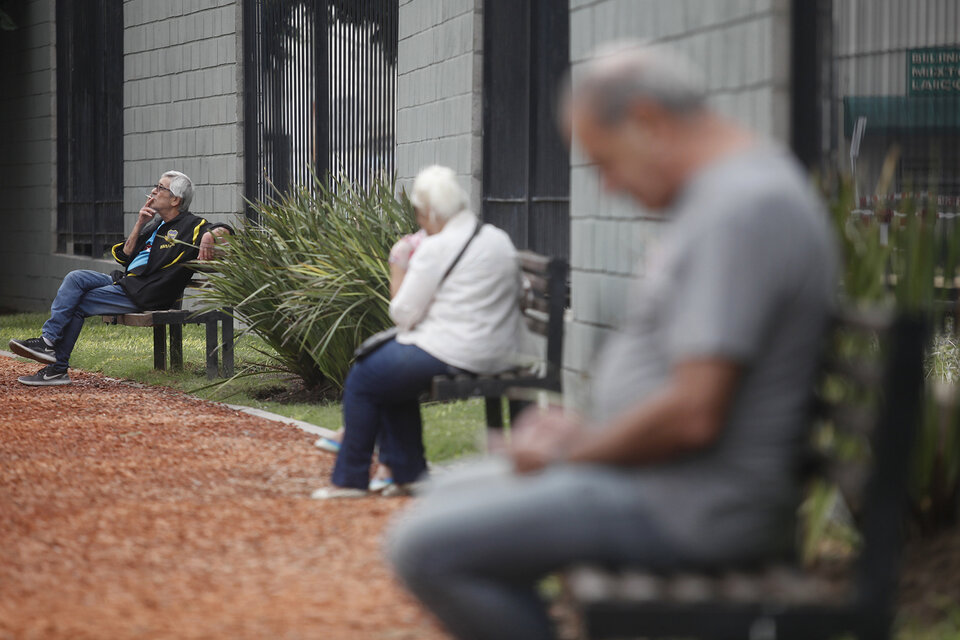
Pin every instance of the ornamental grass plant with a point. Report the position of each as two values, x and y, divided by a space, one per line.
308 274
901 253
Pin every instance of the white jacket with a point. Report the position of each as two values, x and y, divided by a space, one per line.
471 320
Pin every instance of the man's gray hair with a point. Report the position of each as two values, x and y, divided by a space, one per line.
621 73
181 186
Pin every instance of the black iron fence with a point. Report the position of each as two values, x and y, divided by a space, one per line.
526 164
89 126
320 86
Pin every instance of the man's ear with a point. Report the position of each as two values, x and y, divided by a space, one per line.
176 205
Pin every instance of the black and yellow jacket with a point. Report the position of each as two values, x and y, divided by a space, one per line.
160 282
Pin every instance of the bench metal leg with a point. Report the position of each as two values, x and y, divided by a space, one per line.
226 345
160 346
494 409
211 349
516 407
176 347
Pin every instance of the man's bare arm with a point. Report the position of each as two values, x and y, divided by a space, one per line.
687 415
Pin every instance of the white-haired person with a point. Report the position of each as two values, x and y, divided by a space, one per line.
455 306
154 276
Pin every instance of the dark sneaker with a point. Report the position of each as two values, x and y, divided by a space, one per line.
46 377
35 349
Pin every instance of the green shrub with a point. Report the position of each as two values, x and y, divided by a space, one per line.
309 274
910 261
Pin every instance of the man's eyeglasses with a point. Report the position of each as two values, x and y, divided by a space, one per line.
160 187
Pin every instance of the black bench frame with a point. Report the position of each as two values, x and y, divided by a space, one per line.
543 309
780 601
175 319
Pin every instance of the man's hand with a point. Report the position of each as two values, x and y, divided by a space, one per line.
146 213
208 243
541 437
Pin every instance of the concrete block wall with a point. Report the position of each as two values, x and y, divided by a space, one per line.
744 47
873 37
182 102
29 272
439 80
182 109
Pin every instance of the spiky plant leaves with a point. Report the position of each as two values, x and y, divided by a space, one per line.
309 273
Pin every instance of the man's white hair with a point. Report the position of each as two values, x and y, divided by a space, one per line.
181 186
621 73
436 189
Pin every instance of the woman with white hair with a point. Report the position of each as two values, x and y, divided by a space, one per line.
455 307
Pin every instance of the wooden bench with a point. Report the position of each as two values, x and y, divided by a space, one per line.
868 405
542 308
175 319
216 346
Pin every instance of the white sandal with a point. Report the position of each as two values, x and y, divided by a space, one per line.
329 493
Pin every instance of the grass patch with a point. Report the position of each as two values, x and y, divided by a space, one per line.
451 430
948 628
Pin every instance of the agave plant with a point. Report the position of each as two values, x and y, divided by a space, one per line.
309 274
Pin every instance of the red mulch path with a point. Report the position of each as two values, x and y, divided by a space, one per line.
130 512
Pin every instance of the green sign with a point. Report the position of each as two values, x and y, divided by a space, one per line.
933 72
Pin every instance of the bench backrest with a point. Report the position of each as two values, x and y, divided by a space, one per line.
868 404
545 301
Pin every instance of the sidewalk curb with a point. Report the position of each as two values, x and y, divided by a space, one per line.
299 424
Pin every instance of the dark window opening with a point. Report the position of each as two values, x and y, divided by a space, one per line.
526 164
89 126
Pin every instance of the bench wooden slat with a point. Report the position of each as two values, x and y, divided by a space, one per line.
533 262
536 303
537 326
537 284
779 584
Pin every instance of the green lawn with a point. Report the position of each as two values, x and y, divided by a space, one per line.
451 429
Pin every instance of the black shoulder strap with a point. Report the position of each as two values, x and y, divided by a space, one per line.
462 251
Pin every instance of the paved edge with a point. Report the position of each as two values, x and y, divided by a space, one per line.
300 424
260 413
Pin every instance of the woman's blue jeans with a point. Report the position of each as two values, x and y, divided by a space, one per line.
381 403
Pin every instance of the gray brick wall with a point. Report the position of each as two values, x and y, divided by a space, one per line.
438 90
29 273
744 47
182 109
182 101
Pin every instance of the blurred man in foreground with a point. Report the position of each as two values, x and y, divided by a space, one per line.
699 402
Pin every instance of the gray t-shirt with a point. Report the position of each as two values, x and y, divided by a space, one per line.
746 271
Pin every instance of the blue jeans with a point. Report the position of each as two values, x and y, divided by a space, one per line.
82 293
474 547
381 402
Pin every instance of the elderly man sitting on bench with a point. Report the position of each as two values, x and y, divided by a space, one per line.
154 276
